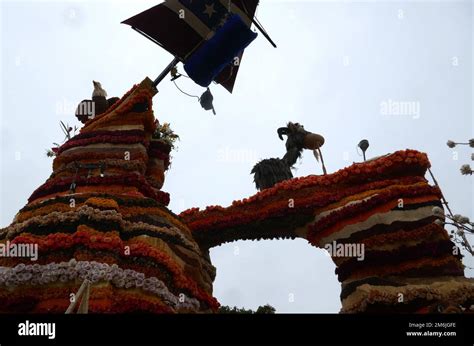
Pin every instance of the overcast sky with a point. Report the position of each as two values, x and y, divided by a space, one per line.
336 65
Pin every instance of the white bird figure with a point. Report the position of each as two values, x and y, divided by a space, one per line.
98 90
88 109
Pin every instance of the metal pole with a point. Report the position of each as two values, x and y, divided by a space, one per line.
264 33
166 71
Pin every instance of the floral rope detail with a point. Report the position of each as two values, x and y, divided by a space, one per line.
214 218
137 94
457 291
317 198
387 196
102 203
127 165
105 299
110 241
113 133
378 259
424 233
94 272
123 201
73 143
401 163
400 268
94 156
101 216
136 180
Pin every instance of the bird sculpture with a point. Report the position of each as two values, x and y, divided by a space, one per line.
89 109
269 172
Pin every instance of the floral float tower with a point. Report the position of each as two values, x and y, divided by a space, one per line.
101 218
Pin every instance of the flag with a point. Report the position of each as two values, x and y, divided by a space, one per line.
181 26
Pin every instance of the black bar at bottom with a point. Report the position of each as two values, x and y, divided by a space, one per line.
243 329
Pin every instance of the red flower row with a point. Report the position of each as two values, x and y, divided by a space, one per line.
139 96
216 217
123 201
115 105
403 163
124 139
115 133
103 300
133 179
111 241
364 206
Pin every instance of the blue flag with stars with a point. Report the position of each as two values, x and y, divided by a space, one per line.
181 27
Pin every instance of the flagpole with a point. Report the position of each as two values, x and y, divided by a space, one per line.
166 71
264 33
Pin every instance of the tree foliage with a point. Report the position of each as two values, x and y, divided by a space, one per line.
265 309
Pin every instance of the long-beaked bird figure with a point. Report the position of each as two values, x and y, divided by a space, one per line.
88 109
269 172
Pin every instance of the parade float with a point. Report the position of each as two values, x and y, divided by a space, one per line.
107 243
101 218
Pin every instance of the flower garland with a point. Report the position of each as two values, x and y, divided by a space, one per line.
216 217
401 163
100 217
119 190
366 194
112 133
94 272
123 201
144 119
389 196
400 268
104 299
455 292
127 165
94 156
380 258
425 232
137 94
147 266
115 105
124 139
102 203
315 197
111 241
57 185
377 220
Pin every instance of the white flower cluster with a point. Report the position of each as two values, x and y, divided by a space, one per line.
94 272
465 169
100 216
460 219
